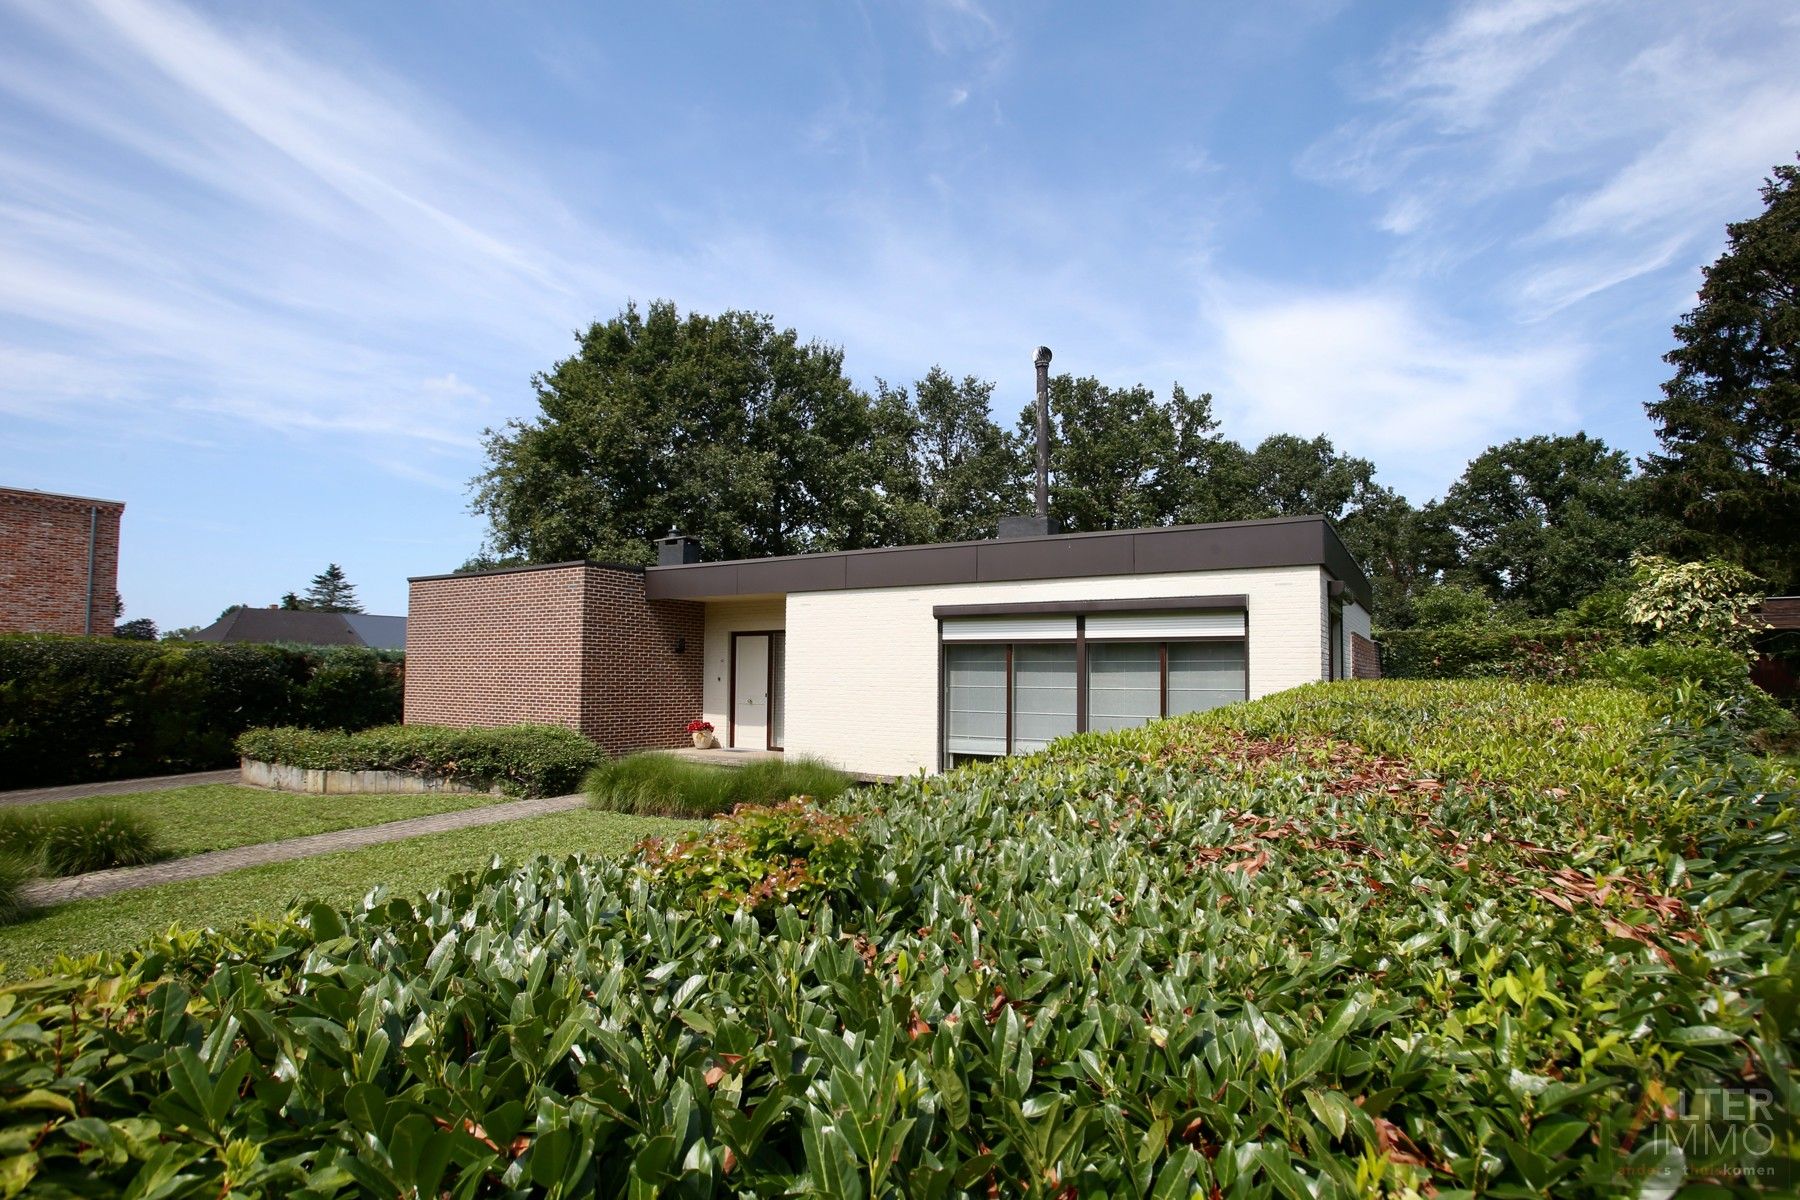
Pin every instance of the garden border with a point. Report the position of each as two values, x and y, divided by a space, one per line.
280 777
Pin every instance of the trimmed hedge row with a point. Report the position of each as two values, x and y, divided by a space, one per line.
78 709
1532 648
530 760
1359 939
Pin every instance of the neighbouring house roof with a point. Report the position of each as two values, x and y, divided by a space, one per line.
306 628
377 632
1780 612
1277 542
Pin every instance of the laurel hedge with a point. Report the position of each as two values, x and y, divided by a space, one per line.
79 709
527 760
1361 939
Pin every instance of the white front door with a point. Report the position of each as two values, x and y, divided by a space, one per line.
750 692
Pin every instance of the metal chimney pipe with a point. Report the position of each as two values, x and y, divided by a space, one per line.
1042 361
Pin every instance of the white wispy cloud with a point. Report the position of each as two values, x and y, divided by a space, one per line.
1382 375
1600 140
253 233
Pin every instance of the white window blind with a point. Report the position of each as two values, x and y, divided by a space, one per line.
1205 675
1009 629
1124 684
975 699
1043 695
1157 625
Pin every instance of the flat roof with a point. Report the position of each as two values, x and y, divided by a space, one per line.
35 494
1229 545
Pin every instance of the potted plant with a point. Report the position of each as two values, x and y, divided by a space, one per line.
702 732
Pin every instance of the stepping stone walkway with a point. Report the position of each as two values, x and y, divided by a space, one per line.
217 862
115 787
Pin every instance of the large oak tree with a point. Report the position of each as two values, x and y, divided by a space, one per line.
725 428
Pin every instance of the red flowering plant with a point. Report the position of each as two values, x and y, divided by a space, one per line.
699 727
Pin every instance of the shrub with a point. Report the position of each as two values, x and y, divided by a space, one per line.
1705 603
759 858
1358 939
1524 649
98 838
652 784
75 709
531 760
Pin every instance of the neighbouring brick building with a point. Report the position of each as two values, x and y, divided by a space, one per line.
59 563
896 660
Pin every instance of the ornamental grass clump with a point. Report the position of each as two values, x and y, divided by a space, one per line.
1355 940
73 839
98 838
662 785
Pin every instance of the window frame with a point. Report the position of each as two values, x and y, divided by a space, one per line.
1081 643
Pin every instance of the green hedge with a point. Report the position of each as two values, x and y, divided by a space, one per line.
1359 939
531 760
1524 649
78 709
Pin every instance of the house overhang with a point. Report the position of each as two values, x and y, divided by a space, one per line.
1237 545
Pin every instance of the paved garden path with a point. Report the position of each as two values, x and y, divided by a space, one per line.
115 787
217 862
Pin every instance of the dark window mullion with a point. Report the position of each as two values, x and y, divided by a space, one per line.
1162 654
1011 684
1081 675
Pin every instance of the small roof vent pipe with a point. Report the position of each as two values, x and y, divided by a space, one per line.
1038 524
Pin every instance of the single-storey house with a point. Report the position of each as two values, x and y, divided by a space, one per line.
892 661
306 627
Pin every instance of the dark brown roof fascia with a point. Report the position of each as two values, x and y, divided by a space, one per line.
1278 542
1146 604
635 568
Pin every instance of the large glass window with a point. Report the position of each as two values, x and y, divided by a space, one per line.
1016 694
1043 694
975 699
1205 675
1124 684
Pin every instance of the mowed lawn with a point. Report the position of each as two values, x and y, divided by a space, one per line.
217 816
409 867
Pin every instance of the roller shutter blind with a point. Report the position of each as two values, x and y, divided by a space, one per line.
1124 684
1009 629
1043 695
1155 626
1205 675
975 699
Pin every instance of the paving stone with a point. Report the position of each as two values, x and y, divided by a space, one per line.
217 862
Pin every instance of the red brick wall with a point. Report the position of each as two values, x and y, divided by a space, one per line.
1365 658
577 646
44 562
637 691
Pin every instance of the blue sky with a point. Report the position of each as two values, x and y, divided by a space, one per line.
268 269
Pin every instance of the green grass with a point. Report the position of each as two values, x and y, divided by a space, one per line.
217 816
664 785
406 868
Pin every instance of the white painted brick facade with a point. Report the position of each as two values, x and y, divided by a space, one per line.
862 666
